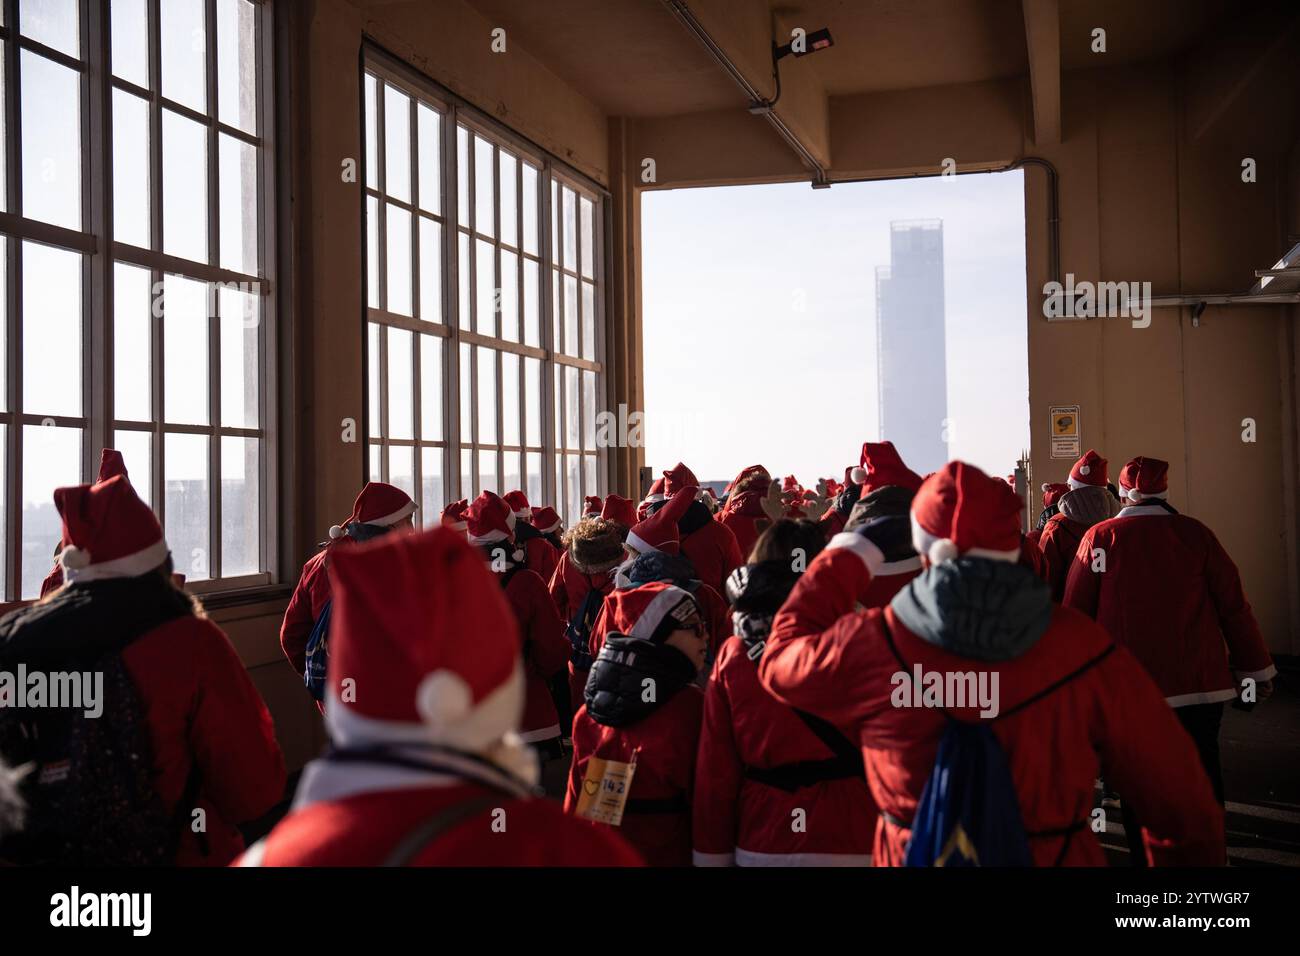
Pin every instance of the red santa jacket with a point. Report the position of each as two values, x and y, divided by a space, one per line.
364 828
750 822
1058 542
1172 596
202 709
712 548
830 660
305 606
569 587
893 577
541 556
665 744
545 651
745 519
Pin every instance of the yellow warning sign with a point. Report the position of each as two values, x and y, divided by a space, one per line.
1065 421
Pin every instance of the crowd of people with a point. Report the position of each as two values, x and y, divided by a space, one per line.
880 670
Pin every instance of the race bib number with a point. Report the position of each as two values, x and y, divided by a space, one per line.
605 790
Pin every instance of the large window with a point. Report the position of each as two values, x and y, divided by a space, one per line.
467 341
135 232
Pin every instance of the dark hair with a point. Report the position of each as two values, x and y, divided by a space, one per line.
783 537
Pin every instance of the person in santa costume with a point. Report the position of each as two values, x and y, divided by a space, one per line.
110 465
653 497
1052 492
643 710
744 514
171 679
541 632
540 554
619 509
1164 588
425 694
453 516
835 517
1087 502
655 555
378 509
547 521
886 488
593 549
773 786
1090 709
710 545
591 506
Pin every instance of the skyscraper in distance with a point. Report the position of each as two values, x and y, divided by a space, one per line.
911 357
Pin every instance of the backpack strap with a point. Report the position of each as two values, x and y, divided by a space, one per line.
409 847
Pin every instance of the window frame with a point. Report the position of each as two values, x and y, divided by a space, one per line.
455 113
100 253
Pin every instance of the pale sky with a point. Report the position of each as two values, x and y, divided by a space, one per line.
760 341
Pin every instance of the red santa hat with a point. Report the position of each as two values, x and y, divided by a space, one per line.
678 477
1052 492
659 531
1091 469
490 520
111 464
110 532
619 509
1144 478
401 667
656 492
591 505
960 510
882 466
546 519
453 516
791 483
379 504
651 612
518 502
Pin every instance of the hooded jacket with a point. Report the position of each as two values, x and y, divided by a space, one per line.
1077 511
658 730
993 624
760 765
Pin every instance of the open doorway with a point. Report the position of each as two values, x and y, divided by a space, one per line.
786 325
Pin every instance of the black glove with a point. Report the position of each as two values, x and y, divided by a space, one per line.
892 534
846 500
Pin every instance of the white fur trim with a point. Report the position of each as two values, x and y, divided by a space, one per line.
442 699
1203 697
389 520
1076 483
752 858
712 859
1268 673
858 475
456 525
492 537
253 855
128 566
1142 511
939 550
866 550
639 544
541 734
655 497
554 527
473 729
1132 494
73 557
900 567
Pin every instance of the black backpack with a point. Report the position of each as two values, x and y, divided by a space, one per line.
89 781
89 786
579 628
